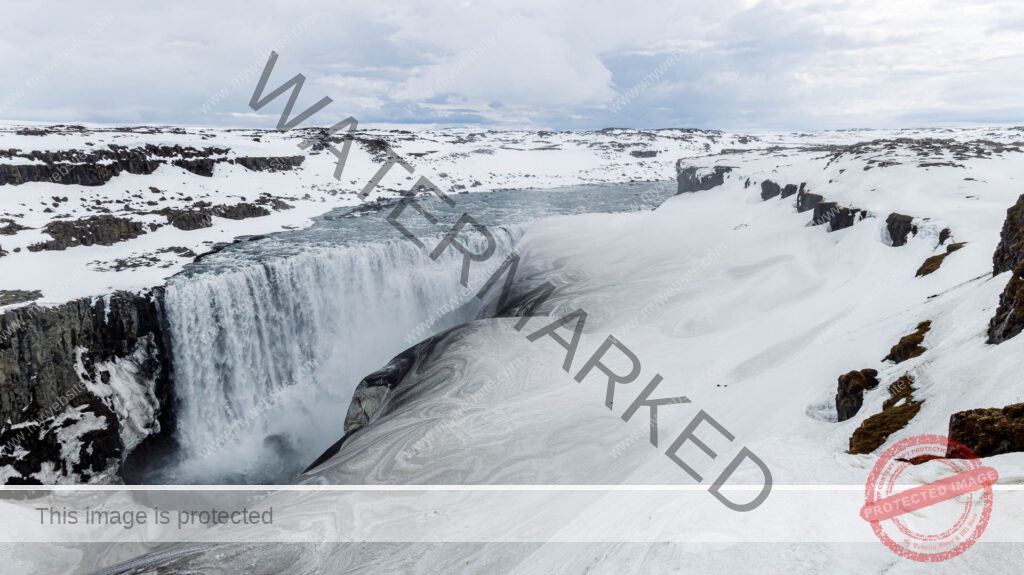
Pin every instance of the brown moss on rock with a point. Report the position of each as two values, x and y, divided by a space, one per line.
989 431
909 346
850 394
897 411
933 263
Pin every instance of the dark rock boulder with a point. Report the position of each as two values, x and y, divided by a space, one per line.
240 211
188 220
900 226
103 230
789 190
806 201
9 227
769 190
689 181
989 432
837 217
850 395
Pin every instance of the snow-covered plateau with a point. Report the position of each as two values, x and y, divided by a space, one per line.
820 296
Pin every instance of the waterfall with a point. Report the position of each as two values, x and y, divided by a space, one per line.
266 357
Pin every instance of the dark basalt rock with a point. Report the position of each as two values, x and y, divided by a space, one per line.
99 450
9 297
790 189
690 182
989 432
270 164
1010 252
10 227
103 230
202 215
240 211
188 220
199 167
769 190
1008 321
837 218
97 167
806 201
900 226
850 395
41 391
643 153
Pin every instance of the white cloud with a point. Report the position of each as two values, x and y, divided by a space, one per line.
752 64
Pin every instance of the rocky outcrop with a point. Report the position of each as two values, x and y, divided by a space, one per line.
200 167
240 211
1008 321
900 226
201 216
909 346
270 164
643 153
1010 252
689 181
790 189
81 385
769 190
10 297
850 395
188 220
97 167
806 201
102 230
989 432
837 217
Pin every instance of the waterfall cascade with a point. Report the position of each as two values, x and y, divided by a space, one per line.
267 356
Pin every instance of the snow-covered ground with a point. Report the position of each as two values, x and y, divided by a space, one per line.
455 160
764 313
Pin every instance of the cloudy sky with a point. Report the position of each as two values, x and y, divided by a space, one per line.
558 64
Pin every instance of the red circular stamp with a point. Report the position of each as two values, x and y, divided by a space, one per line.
935 521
